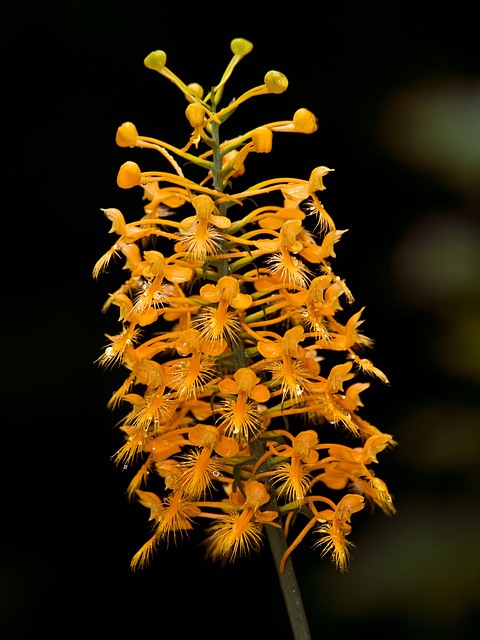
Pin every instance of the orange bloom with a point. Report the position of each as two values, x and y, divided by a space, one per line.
335 526
218 323
293 476
239 532
241 418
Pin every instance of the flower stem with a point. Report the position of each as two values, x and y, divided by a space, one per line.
276 537
287 579
289 585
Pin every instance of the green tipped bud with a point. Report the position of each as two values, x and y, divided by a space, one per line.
240 46
155 60
276 82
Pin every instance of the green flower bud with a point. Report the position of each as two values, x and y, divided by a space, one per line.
240 46
276 82
155 60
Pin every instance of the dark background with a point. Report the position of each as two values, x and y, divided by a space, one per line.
396 88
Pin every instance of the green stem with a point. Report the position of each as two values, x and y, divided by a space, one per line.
289 585
276 537
217 161
287 579
223 266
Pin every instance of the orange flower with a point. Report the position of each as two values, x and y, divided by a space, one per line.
172 517
241 418
285 360
298 193
199 235
188 375
335 526
198 468
345 464
293 476
290 269
217 323
239 532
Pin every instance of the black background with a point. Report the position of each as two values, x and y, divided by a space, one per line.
396 88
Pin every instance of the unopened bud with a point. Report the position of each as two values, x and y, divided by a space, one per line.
276 82
262 140
240 46
238 166
126 135
196 89
305 121
129 175
195 114
155 60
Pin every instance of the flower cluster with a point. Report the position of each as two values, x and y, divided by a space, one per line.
230 328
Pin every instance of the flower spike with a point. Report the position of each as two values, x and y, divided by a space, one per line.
237 343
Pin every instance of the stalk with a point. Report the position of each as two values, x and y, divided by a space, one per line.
288 579
276 537
224 267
